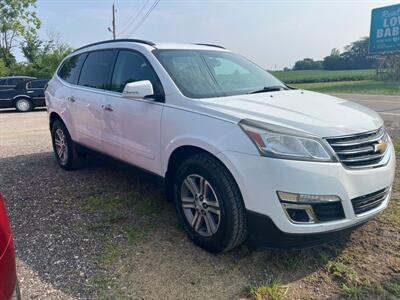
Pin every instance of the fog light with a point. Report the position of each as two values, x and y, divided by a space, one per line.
299 208
299 213
306 198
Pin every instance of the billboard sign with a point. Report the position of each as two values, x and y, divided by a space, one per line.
385 30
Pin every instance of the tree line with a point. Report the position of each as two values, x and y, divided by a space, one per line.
19 25
355 57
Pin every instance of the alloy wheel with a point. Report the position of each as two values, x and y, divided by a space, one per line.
60 143
200 205
23 105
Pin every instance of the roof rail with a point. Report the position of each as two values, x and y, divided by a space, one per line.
116 41
210 45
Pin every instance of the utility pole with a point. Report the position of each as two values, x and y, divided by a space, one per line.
113 21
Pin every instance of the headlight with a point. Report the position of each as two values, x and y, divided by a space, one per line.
280 142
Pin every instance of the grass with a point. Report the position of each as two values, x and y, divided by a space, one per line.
393 288
273 290
342 273
111 205
109 254
116 207
136 232
310 76
358 87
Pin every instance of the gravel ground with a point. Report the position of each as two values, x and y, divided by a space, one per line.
106 231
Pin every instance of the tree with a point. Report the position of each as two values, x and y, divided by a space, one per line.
3 68
335 52
356 55
30 47
47 57
16 21
307 64
334 62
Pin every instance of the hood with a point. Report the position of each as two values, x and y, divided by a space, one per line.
314 113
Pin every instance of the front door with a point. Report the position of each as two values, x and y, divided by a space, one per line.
133 125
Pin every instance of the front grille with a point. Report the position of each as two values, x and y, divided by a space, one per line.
328 211
365 203
358 150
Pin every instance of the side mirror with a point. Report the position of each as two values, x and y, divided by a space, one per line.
138 90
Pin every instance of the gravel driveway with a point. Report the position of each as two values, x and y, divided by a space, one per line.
106 231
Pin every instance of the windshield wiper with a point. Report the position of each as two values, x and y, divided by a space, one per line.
266 89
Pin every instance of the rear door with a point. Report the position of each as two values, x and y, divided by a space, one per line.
35 89
90 96
133 127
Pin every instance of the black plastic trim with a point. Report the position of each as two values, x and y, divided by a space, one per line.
263 233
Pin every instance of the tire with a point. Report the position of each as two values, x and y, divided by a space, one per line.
23 105
215 232
64 148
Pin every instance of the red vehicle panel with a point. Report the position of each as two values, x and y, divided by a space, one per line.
8 275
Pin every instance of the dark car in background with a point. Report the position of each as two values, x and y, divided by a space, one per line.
8 275
25 96
11 82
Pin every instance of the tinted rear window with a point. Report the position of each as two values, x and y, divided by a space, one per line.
3 81
97 69
37 84
69 71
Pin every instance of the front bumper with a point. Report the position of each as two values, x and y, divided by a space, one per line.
263 233
260 177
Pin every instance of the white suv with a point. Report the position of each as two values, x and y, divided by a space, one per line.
244 156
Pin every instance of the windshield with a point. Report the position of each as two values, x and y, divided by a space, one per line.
205 74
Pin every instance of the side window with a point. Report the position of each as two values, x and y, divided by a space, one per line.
14 81
96 69
37 84
29 85
3 81
130 67
69 71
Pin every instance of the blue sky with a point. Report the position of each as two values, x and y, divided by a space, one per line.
272 33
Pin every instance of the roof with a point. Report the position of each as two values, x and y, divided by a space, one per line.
6 77
199 46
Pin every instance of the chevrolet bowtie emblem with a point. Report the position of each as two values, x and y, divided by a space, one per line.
380 146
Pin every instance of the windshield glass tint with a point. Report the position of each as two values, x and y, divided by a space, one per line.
205 74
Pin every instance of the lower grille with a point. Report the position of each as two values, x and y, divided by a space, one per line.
360 150
368 202
328 211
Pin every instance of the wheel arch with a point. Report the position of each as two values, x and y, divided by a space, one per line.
15 98
181 153
54 117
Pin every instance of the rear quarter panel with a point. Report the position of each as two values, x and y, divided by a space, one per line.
55 96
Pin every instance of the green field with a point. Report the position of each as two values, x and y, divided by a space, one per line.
357 87
311 76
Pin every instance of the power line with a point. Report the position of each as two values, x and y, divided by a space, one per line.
145 17
133 20
134 8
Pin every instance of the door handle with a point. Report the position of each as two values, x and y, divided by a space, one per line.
107 107
71 99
